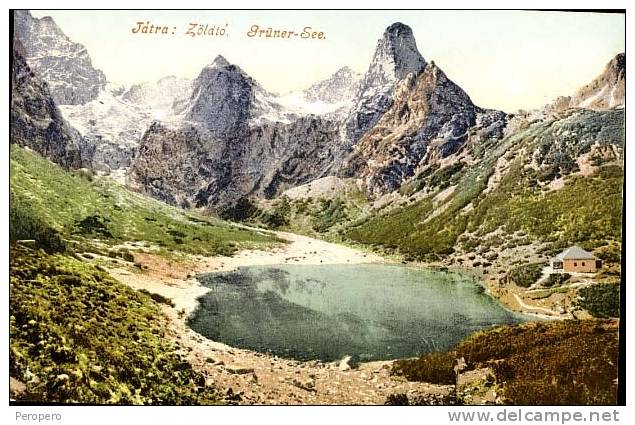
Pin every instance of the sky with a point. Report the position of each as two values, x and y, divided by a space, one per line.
506 60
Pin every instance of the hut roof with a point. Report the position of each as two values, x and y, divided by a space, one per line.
576 253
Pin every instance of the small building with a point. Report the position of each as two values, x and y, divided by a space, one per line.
576 260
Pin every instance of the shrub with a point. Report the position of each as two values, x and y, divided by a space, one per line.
600 300
557 363
274 219
243 210
397 399
534 361
525 275
93 225
332 211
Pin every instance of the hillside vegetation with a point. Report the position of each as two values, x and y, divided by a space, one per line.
521 209
79 336
76 334
562 363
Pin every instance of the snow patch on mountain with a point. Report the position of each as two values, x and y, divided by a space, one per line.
163 96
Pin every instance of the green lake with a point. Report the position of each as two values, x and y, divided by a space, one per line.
367 311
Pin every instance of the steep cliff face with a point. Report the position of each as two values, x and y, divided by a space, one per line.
36 121
64 65
190 166
396 56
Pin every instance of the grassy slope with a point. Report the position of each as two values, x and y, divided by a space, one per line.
64 201
77 335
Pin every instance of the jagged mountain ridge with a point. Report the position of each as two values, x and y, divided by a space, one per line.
405 116
65 65
430 118
228 102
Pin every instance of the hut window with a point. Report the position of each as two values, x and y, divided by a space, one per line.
575 264
583 263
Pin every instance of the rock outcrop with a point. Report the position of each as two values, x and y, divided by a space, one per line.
190 165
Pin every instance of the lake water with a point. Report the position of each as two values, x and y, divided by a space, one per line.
325 312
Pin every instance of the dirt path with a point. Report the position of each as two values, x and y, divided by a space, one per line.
261 378
530 308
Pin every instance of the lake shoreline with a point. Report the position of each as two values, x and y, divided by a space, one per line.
264 378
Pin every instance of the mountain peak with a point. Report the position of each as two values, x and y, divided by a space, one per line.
398 49
606 91
219 62
398 29
65 65
396 56
339 87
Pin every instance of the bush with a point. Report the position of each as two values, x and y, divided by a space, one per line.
243 210
534 361
525 275
93 225
274 219
601 300
557 363
397 399
332 211
435 368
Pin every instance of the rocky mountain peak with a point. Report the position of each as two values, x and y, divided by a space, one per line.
63 64
222 98
396 56
219 62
